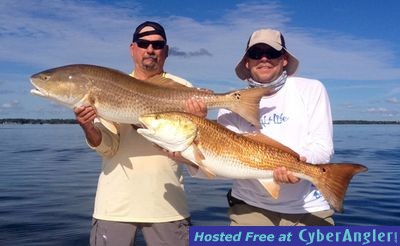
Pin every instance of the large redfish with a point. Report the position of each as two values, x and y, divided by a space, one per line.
218 151
118 97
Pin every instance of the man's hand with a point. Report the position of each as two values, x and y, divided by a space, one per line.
196 107
281 175
84 116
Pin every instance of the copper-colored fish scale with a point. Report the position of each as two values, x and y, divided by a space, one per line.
121 98
331 179
218 139
140 97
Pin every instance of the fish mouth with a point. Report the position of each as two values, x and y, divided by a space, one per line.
145 128
142 121
36 91
145 131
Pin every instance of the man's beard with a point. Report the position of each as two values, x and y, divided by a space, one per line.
152 66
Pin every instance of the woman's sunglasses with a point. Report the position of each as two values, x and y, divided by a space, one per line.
257 53
157 45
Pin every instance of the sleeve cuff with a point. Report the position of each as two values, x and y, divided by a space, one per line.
109 141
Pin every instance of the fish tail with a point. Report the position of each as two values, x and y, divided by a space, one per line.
334 180
246 103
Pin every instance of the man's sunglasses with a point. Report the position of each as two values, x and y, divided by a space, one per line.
257 53
157 45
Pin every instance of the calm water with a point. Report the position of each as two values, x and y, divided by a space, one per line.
48 179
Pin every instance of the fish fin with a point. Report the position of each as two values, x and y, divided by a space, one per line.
207 172
85 101
247 103
198 155
192 168
123 168
259 137
109 125
160 80
271 186
333 180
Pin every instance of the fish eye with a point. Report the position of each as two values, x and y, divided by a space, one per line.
70 77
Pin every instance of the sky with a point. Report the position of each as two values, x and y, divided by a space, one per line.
352 47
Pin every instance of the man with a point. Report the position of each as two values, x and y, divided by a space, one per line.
298 115
140 187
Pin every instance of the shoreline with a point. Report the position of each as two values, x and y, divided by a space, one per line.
22 121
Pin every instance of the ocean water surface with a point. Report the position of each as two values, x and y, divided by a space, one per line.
48 179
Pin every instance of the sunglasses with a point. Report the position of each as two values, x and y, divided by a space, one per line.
258 53
157 45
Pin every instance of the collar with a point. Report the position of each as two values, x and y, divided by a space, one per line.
275 85
164 74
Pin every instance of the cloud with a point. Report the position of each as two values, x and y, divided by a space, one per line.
10 105
174 51
37 35
383 111
393 100
47 34
377 110
348 105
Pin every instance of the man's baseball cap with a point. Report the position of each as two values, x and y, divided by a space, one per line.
157 29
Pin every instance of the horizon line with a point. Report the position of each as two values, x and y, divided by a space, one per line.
73 121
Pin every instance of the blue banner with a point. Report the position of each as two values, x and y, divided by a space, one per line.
285 235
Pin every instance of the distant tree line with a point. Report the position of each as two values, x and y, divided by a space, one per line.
37 121
73 121
364 122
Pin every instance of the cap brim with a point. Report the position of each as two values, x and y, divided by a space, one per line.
293 64
241 71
